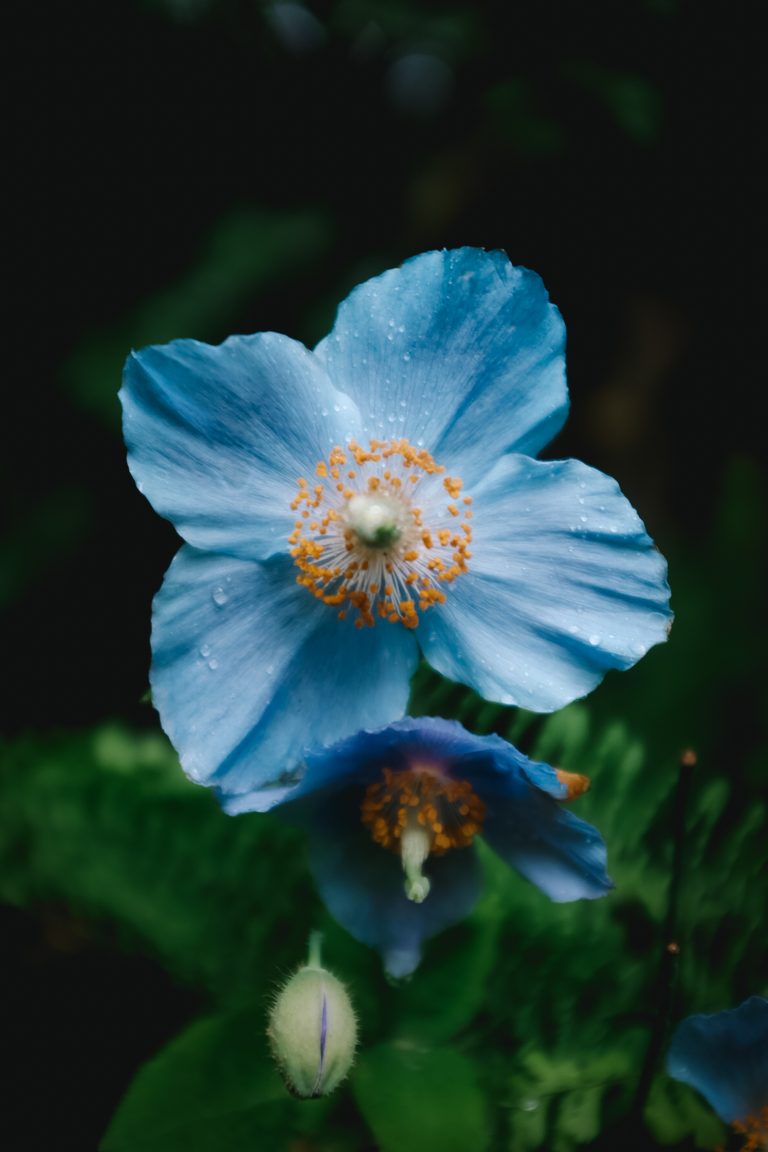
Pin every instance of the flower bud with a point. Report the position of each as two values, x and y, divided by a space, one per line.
313 1031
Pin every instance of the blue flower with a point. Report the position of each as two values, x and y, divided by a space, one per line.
392 815
725 1057
345 507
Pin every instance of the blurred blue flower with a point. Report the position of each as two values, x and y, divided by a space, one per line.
391 817
333 500
725 1057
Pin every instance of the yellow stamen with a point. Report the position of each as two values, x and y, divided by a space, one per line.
754 1129
418 812
367 545
576 784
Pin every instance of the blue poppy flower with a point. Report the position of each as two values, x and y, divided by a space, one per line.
725 1057
391 817
343 508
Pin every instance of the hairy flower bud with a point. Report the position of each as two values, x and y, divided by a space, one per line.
313 1031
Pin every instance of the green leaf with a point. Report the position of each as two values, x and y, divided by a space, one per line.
107 823
674 1111
212 1089
565 1094
416 1099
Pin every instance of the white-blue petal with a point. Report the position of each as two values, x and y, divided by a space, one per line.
248 669
456 350
564 584
218 436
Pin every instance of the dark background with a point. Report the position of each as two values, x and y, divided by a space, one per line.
186 168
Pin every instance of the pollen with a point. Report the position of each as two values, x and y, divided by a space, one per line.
389 542
576 784
417 813
447 809
754 1130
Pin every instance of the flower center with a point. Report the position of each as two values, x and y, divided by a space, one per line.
417 812
382 532
754 1129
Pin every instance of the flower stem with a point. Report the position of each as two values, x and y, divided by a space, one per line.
315 950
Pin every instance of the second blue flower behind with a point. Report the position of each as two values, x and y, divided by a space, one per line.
392 816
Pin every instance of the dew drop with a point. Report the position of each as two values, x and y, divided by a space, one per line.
594 640
219 596
213 664
205 650
583 519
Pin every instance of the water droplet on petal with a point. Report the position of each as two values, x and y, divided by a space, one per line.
594 640
213 664
219 596
205 650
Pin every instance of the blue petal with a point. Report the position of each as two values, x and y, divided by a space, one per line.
248 669
561 854
725 1057
457 350
398 746
564 583
527 827
218 436
362 883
